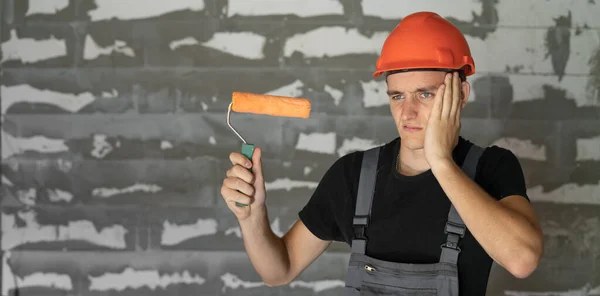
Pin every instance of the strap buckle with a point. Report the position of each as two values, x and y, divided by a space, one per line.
360 226
450 245
455 229
360 232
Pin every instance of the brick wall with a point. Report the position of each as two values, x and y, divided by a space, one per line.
114 140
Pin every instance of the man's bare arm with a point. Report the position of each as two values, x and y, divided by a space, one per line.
279 260
508 229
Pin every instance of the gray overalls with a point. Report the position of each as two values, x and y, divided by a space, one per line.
370 276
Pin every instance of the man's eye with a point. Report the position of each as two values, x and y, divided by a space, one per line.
397 97
426 95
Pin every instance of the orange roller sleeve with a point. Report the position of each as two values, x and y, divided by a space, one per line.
270 105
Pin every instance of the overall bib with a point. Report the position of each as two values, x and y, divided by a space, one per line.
368 276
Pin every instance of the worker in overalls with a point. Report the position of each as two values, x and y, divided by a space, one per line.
426 213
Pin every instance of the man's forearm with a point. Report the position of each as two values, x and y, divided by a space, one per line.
507 236
266 250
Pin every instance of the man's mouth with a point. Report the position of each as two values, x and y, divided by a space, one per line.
410 128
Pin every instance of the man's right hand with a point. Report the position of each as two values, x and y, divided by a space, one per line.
243 185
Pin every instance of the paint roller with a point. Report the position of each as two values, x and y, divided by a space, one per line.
272 105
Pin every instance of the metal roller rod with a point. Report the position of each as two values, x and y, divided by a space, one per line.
231 127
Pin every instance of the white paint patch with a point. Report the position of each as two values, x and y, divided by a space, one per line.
27 196
336 94
212 140
586 290
235 231
8 277
287 184
29 50
317 43
64 165
46 7
26 93
529 51
101 146
276 227
355 144
14 146
301 8
109 95
317 142
307 170
56 195
318 286
232 281
164 145
187 41
242 44
523 148
47 280
81 230
567 194
108 9
293 89
174 234
582 12
204 106
527 87
137 187
461 9
92 50
39 279
6 181
588 149
374 93
136 279
583 48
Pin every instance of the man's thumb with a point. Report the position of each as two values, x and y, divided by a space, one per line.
257 162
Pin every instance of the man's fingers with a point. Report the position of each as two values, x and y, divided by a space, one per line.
456 96
240 172
238 158
447 98
238 184
232 196
436 111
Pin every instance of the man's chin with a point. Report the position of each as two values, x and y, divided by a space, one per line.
411 143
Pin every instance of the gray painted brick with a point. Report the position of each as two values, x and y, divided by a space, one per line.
220 273
536 94
117 183
70 229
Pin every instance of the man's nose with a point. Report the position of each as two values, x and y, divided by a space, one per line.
410 109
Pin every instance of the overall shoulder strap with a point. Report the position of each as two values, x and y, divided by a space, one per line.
455 227
364 198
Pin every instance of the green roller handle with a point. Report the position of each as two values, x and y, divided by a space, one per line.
248 151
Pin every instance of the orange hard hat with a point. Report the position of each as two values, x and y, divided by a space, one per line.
425 40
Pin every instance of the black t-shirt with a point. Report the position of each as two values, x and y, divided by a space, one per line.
409 213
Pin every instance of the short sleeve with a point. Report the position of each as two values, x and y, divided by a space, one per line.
503 174
320 212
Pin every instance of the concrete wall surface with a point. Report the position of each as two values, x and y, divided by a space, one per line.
115 144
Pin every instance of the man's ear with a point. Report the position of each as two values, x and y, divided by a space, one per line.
466 91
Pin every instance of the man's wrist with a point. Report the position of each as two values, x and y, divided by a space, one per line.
258 215
443 166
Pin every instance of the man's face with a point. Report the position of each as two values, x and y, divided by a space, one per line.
411 96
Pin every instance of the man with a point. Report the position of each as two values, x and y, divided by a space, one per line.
438 206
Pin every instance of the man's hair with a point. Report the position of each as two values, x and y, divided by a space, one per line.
461 72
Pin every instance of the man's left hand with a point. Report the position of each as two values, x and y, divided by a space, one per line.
443 127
